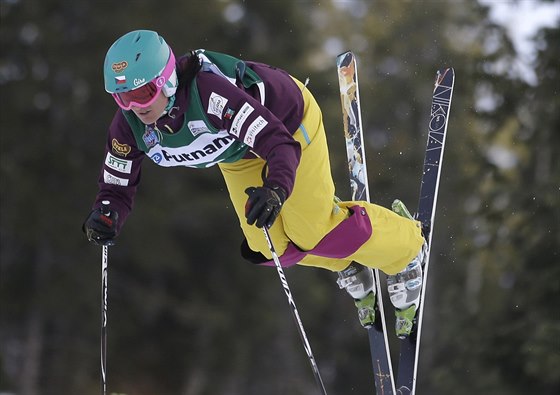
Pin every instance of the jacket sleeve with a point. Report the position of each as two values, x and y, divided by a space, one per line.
121 169
244 117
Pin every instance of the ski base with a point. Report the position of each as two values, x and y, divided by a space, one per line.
439 115
349 94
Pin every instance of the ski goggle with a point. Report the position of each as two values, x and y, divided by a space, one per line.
147 94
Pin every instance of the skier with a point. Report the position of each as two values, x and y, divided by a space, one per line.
264 130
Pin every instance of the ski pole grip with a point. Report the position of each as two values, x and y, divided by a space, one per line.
105 208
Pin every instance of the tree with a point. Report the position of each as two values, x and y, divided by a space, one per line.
185 309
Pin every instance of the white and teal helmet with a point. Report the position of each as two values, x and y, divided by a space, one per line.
138 66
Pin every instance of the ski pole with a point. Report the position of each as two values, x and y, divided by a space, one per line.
104 260
295 313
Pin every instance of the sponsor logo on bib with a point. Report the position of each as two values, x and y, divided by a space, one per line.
150 137
197 127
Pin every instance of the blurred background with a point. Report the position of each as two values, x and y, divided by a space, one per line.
187 315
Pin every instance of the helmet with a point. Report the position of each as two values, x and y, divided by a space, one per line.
137 67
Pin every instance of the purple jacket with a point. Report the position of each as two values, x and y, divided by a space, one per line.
282 110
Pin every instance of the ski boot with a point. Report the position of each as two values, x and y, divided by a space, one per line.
405 287
359 282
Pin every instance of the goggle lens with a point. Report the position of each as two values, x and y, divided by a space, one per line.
142 97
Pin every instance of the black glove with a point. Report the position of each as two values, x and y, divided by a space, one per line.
263 205
101 229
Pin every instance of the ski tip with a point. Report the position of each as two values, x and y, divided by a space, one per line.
444 70
443 75
344 59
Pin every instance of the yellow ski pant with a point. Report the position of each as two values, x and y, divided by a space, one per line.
311 213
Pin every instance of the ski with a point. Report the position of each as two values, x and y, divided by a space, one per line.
439 115
352 123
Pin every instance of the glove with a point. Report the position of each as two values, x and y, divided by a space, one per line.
263 205
101 229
